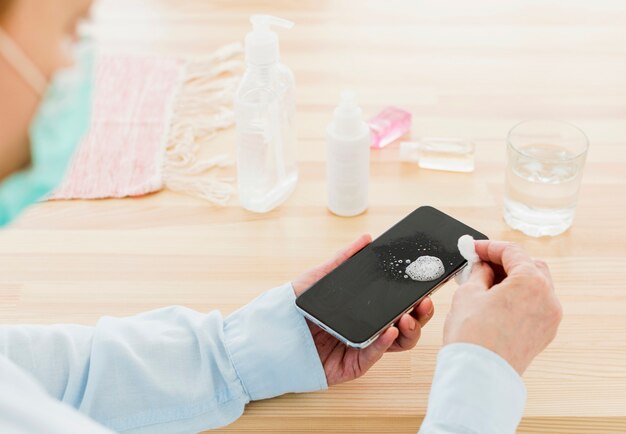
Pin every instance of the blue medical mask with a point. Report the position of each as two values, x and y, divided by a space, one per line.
59 125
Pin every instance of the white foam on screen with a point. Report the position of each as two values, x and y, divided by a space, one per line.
425 268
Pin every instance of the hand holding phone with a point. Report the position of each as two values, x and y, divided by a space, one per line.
342 363
369 292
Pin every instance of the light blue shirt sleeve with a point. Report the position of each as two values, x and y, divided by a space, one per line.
26 408
172 370
474 391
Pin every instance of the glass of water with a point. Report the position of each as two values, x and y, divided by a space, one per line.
545 161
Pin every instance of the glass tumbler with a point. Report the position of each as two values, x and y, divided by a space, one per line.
545 161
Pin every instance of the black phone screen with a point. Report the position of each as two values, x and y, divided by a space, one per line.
369 290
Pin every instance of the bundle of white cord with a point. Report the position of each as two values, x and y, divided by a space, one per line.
202 107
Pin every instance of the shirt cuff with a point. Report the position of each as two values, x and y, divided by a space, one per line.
271 347
475 390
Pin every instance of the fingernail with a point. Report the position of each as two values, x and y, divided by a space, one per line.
432 307
412 324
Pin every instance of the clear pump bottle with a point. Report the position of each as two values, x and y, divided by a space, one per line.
348 142
264 118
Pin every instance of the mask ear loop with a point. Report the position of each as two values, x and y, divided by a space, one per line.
22 64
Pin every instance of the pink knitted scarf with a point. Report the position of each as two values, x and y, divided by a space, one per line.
151 117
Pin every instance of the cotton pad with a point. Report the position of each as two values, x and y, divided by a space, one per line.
425 268
468 251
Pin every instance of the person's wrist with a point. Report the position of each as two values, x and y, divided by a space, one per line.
463 371
519 364
293 365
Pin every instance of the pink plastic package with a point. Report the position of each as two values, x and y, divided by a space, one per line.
389 125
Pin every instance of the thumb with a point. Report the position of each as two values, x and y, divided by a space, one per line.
374 352
481 276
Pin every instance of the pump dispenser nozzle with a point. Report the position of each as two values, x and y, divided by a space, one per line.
348 106
262 42
347 118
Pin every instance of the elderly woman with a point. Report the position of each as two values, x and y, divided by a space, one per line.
177 370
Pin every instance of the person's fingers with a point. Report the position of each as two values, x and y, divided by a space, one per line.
345 253
511 256
410 325
409 331
424 311
481 277
543 268
373 353
498 272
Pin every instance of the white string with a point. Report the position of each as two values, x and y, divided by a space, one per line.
202 107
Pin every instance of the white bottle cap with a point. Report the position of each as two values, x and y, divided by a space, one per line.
347 118
261 42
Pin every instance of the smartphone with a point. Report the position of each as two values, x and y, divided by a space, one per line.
370 291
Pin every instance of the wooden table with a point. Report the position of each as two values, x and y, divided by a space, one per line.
467 69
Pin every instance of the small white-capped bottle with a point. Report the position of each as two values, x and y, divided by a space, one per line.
348 140
264 121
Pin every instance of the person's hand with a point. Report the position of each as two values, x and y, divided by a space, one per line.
342 363
508 305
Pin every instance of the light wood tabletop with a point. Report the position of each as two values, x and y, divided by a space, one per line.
463 69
